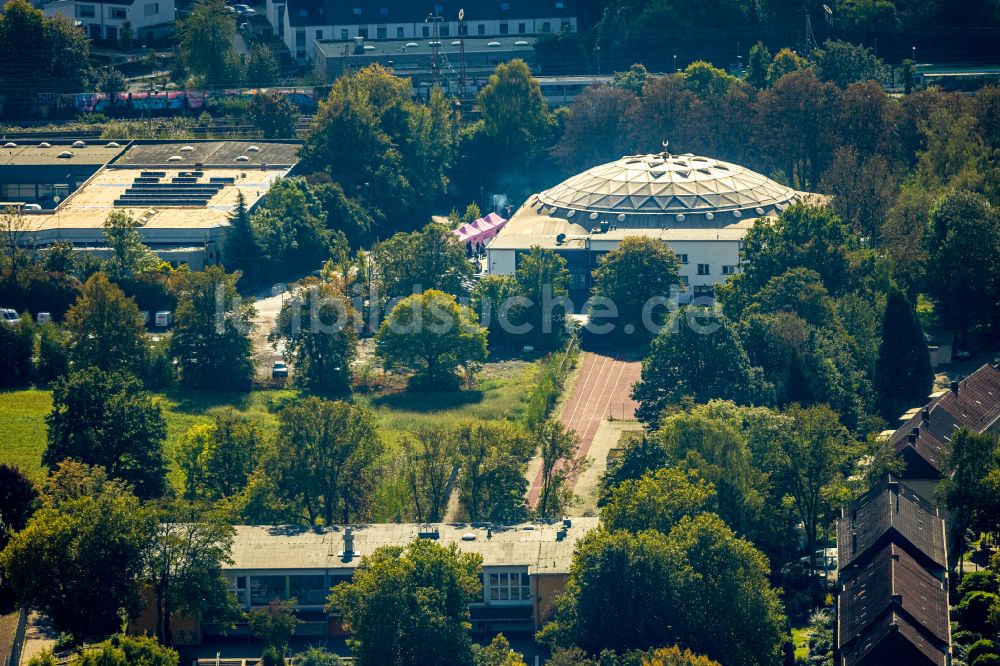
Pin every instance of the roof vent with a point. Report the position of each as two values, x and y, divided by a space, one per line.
560 534
10 144
112 144
567 523
174 158
469 536
253 149
66 154
45 144
79 144
348 551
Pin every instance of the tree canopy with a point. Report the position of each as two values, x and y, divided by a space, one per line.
410 606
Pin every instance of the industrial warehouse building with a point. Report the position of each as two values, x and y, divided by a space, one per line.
699 206
524 567
182 193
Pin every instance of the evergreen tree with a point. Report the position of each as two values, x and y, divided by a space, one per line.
243 251
903 375
758 65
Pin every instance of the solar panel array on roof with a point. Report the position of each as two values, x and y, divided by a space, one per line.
147 190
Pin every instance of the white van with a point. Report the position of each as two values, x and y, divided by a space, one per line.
164 319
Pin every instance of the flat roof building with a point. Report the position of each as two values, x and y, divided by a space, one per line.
303 23
524 567
182 193
415 59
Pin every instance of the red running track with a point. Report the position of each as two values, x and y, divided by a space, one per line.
603 388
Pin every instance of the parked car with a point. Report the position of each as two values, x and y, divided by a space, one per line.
279 370
825 559
962 355
9 316
43 317
245 10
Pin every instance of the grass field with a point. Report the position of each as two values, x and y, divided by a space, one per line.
500 393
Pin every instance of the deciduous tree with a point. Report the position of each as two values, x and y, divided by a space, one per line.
129 256
319 328
105 328
491 482
211 337
431 335
631 276
698 354
323 458
410 606
656 501
107 419
272 113
54 561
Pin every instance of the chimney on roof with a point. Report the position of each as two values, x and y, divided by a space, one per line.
897 599
854 541
912 438
893 626
954 388
915 431
925 416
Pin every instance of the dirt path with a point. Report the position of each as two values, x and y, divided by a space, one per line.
602 389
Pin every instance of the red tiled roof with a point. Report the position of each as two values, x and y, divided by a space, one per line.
976 406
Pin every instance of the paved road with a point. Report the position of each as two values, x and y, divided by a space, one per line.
602 390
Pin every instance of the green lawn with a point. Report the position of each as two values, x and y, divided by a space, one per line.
500 393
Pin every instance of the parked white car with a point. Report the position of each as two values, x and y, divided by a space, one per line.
9 316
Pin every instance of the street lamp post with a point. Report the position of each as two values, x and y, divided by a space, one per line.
597 50
675 63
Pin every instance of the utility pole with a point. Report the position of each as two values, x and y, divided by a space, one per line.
435 22
461 55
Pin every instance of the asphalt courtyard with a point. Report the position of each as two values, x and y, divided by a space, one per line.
601 391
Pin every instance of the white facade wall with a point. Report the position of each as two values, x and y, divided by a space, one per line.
414 31
105 21
722 258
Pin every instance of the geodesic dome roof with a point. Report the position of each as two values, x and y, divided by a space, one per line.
665 184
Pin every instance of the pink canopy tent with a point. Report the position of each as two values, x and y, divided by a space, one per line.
481 230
